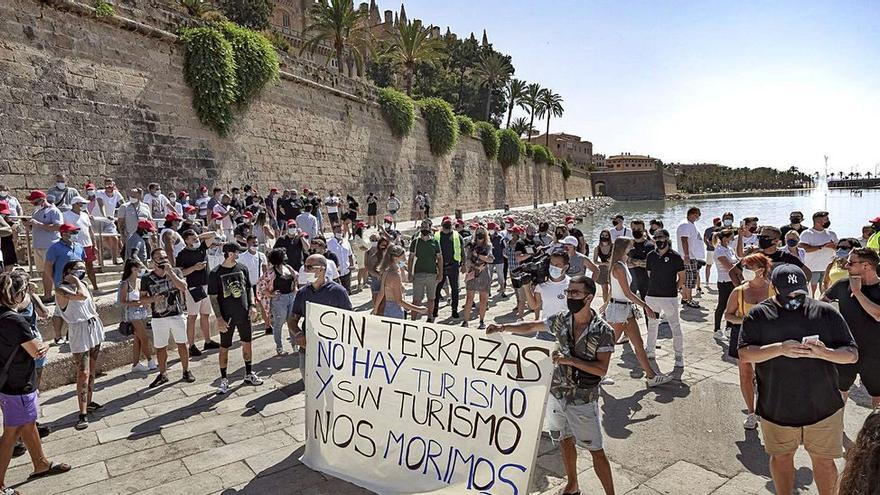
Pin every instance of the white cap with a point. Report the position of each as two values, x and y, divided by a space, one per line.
570 240
79 199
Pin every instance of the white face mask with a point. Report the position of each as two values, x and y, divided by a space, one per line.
338 237
570 226
727 222
749 275
387 225
60 185
291 232
311 277
555 271
252 249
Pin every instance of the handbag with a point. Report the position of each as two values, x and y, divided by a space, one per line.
197 293
126 328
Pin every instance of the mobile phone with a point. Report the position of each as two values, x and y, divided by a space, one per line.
810 339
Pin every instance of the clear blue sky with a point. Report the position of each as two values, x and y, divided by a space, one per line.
751 83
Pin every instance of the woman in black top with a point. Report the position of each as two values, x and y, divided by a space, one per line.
18 395
372 210
351 215
279 290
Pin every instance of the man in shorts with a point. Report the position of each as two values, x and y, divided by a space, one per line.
166 286
193 263
796 342
693 252
819 243
858 298
232 301
426 265
573 417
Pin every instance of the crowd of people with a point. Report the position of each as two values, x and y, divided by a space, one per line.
247 258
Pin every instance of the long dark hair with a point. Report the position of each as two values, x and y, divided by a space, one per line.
131 265
11 285
862 473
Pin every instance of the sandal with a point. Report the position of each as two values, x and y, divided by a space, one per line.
5 490
52 471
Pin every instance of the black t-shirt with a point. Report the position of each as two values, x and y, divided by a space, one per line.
497 247
525 246
285 209
296 207
640 250
172 303
232 289
242 230
189 257
779 257
864 328
447 249
662 271
786 228
796 392
294 249
22 378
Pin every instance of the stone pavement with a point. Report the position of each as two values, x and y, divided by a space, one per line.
682 438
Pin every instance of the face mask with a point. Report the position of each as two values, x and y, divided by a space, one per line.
311 277
826 224
570 226
794 303
80 274
481 236
4 194
252 249
190 217
291 232
387 225
764 242
727 222
661 245
753 229
638 234
615 222
791 242
605 239
842 253
795 220
651 231
401 264
426 238
447 226
555 271
559 236
143 272
749 275
60 185
90 193
132 200
575 305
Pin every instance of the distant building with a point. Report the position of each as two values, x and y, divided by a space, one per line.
630 162
599 161
569 147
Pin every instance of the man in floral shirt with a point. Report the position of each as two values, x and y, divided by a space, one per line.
586 343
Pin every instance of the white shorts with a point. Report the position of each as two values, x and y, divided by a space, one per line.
581 421
202 307
175 326
710 257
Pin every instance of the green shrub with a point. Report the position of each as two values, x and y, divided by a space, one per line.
103 9
541 154
442 125
566 170
510 147
399 111
465 125
256 61
529 149
253 14
489 137
209 71
278 40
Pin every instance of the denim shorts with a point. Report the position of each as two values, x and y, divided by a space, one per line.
581 421
19 410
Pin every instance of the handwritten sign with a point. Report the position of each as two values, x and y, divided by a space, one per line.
401 407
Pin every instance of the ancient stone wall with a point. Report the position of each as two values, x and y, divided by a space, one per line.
92 99
634 185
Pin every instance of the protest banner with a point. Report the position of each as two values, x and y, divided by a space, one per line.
402 407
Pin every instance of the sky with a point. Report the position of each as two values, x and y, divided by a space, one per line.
741 83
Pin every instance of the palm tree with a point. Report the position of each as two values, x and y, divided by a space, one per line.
551 106
339 23
411 45
494 69
513 91
520 126
868 174
530 102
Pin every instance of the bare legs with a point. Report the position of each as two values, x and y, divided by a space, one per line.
601 467
631 329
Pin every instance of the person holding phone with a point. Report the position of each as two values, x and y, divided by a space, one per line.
193 264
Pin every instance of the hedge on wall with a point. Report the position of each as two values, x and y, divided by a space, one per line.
541 154
529 149
256 61
566 170
489 137
399 111
209 71
465 125
442 125
510 148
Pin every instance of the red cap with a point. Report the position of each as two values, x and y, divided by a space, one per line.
68 227
445 219
517 229
492 226
716 219
172 217
389 218
273 190
291 223
475 225
36 194
360 225
248 214
203 188
4 208
216 216
183 193
147 225
459 222
305 190
509 219
190 208
875 220
569 218
90 185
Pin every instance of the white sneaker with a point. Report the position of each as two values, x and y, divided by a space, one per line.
224 387
751 422
719 334
139 368
151 365
679 361
659 379
607 381
253 379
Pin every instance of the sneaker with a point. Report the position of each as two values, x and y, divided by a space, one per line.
694 304
481 326
160 380
455 314
253 379
607 381
719 335
210 345
43 430
659 379
151 365
188 376
94 406
268 330
139 368
280 352
224 386
194 351
751 421
82 423
431 320
679 361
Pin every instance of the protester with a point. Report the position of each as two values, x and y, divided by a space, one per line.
795 218
158 203
319 246
666 275
263 229
450 242
819 244
332 203
548 298
543 238
140 242
13 202
792 243
44 224
359 248
57 257
747 236
372 263
308 223
232 301
104 215
295 244
478 256
654 225
256 264
130 214
426 265
578 263
708 236
350 217
496 268
861 475
193 264
169 239
166 286
618 229
134 312
393 206
693 252
86 333
858 298
795 342
18 396
602 258
725 259
867 232
586 342
638 258
8 231
339 246
278 286
391 301
225 213
837 268
768 245
372 210
84 236
62 195
515 252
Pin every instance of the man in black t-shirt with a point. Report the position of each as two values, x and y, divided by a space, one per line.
193 263
795 218
768 243
638 257
232 300
294 243
859 300
665 269
796 343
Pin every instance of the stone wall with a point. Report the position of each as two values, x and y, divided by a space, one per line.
634 185
92 99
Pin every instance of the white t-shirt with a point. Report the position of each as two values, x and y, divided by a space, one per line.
696 247
158 204
553 299
624 232
83 222
817 261
342 250
332 203
111 202
748 241
724 252
253 262
332 273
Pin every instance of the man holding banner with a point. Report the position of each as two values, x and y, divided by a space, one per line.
586 343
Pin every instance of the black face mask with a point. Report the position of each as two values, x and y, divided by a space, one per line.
559 236
605 239
826 224
765 242
753 229
651 231
447 226
615 222
876 227
795 220
481 236
638 234
575 305
661 245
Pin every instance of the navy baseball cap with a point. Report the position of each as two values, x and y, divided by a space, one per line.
789 280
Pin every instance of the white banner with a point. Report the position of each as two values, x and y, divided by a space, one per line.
401 407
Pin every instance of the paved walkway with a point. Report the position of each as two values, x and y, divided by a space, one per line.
683 438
